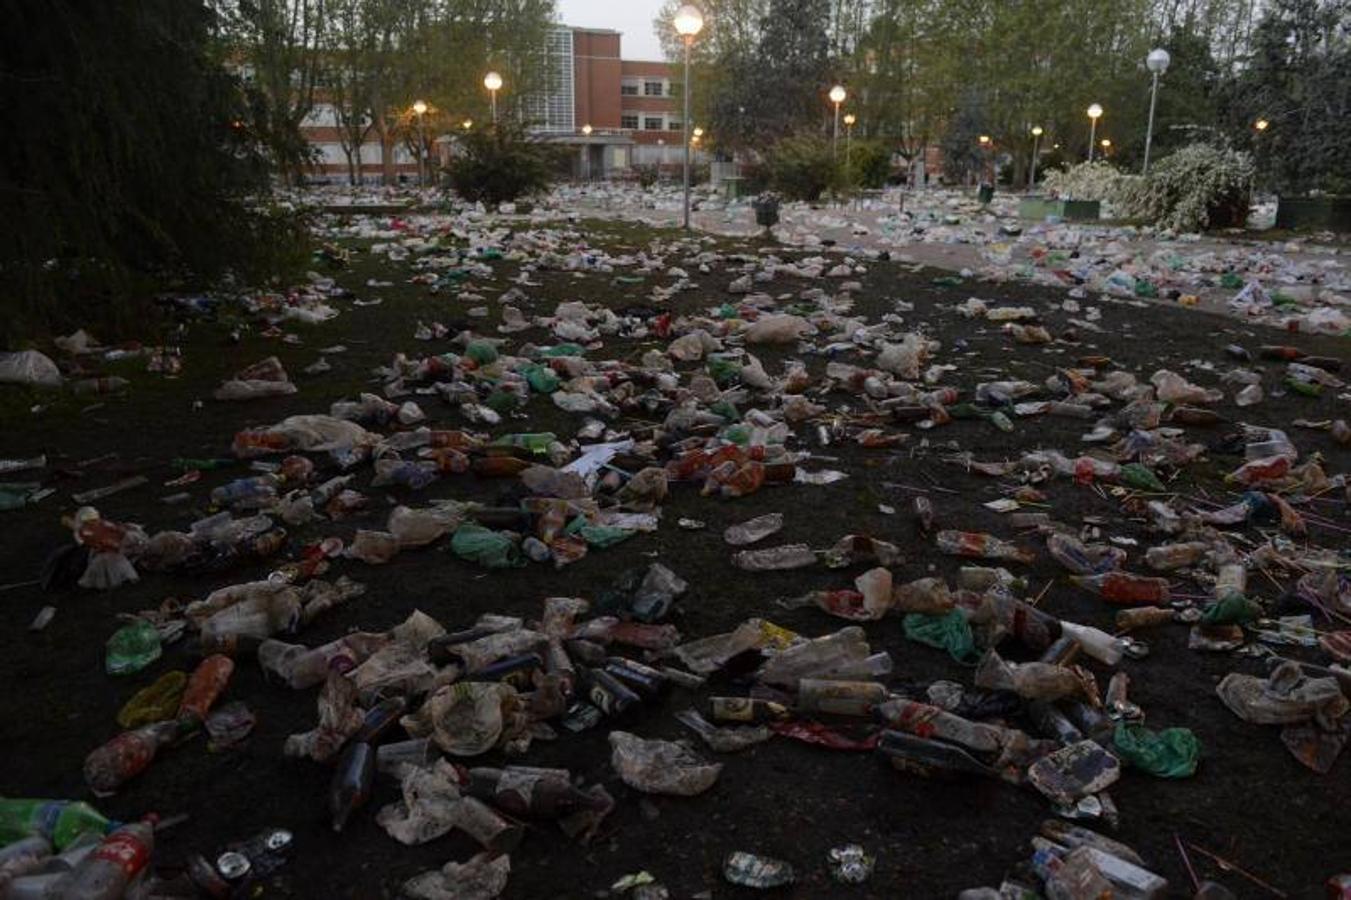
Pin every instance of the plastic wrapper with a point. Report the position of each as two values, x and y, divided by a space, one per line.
481 878
469 718
660 767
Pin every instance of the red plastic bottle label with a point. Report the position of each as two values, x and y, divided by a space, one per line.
124 850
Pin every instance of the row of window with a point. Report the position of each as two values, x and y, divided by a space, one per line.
649 88
634 121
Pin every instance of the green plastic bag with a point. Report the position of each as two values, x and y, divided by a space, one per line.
601 536
132 648
155 703
950 632
1234 609
1171 753
563 350
723 370
486 547
503 401
540 378
481 352
1135 475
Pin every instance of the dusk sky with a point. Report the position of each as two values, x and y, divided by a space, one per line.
633 17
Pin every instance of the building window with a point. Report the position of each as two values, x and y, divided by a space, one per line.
629 89
653 124
674 125
653 89
628 121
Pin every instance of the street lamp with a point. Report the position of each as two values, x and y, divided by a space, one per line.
837 95
1037 132
1094 113
1157 62
467 124
1261 125
493 82
849 120
688 22
586 130
1106 145
420 109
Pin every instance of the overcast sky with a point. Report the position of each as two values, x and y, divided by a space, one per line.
633 17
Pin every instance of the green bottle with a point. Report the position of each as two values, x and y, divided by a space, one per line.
60 821
1137 476
1307 388
132 647
537 442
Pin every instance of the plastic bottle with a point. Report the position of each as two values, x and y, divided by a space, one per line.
529 793
984 546
1034 629
300 667
1125 589
207 682
130 753
1050 721
1096 643
930 721
1071 553
352 782
1166 557
1142 617
839 698
789 556
817 657
59 821
247 493
105 873
110 384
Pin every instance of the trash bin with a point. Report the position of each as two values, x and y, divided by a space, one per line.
985 194
766 210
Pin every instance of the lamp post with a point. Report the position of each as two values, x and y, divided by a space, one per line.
849 120
1037 132
467 124
689 21
1157 62
1261 125
493 82
837 95
1094 113
986 163
586 153
420 109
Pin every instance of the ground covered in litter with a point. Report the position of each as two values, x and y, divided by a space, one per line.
1250 800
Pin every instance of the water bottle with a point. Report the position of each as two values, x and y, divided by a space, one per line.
105 873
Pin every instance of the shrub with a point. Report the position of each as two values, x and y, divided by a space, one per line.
870 164
499 164
1197 187
802 168
647 174
1086 181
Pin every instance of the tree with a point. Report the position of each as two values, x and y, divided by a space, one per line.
279 42
963 157
115 178
350 38
1299 80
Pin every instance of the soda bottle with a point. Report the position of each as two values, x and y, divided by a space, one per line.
536 443
643 680
1166 557
300 667
747 709
59 821
247 493
839 698
529 793
1096 643
1125 589
130 753
980 545
105 873
205 685
1142 617
352 782
607 693
927 721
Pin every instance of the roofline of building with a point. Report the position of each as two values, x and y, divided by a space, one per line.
589 30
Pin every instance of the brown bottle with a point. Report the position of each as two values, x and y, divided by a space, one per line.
498 466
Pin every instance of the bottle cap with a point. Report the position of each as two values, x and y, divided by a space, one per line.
232 865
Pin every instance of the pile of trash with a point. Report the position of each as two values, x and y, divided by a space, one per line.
750 393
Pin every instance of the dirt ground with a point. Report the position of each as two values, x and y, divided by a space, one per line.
1249 801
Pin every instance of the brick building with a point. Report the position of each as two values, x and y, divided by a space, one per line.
615 113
